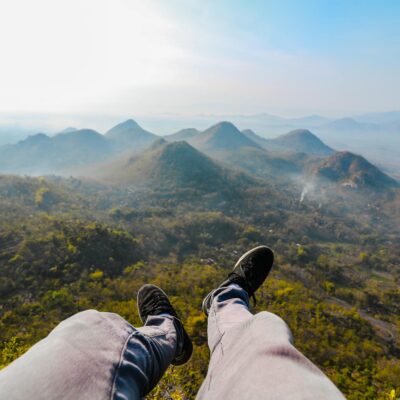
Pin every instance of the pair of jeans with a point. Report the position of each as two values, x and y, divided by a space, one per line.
95 355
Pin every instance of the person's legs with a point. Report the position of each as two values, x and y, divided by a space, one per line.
95 355
252 356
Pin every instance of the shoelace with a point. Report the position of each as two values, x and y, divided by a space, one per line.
247 270
157 303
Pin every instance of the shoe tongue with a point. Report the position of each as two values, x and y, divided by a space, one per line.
241 281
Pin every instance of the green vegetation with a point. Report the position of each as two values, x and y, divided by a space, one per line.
69 245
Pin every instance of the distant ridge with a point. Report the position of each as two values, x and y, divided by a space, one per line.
68 130
255 138
243 150
129 135
260 163
36 139
152 158
222 136
80 147
300 141
41 154
350 125
183 134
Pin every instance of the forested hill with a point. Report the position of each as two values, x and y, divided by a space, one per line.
71 244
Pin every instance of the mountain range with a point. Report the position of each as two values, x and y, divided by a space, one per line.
42 154
204 160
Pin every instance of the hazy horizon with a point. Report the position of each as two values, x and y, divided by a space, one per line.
163 124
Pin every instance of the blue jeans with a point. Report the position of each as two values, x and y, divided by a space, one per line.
93 356
96 355
253 357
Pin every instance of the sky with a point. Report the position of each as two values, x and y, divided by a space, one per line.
186 57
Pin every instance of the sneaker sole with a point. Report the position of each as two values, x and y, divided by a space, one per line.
251 252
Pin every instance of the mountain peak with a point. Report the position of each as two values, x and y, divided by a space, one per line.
124 126
130 135
301 133
224 125
300 141
37 137
352 170
68 130
175 148
178 171
249 132
129 123
79 133
61 153
345 123
184 134
224 136
171 165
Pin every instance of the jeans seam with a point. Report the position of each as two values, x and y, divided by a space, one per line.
119 364
214 313
220 333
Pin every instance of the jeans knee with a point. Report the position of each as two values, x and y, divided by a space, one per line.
274 325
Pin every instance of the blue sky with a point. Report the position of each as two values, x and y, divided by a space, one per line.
325 27
121 57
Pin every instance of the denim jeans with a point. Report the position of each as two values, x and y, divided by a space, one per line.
93 356
253 357
96 355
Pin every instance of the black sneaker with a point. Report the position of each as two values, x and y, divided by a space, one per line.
151 300
249 272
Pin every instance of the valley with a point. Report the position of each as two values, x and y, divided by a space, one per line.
103 214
